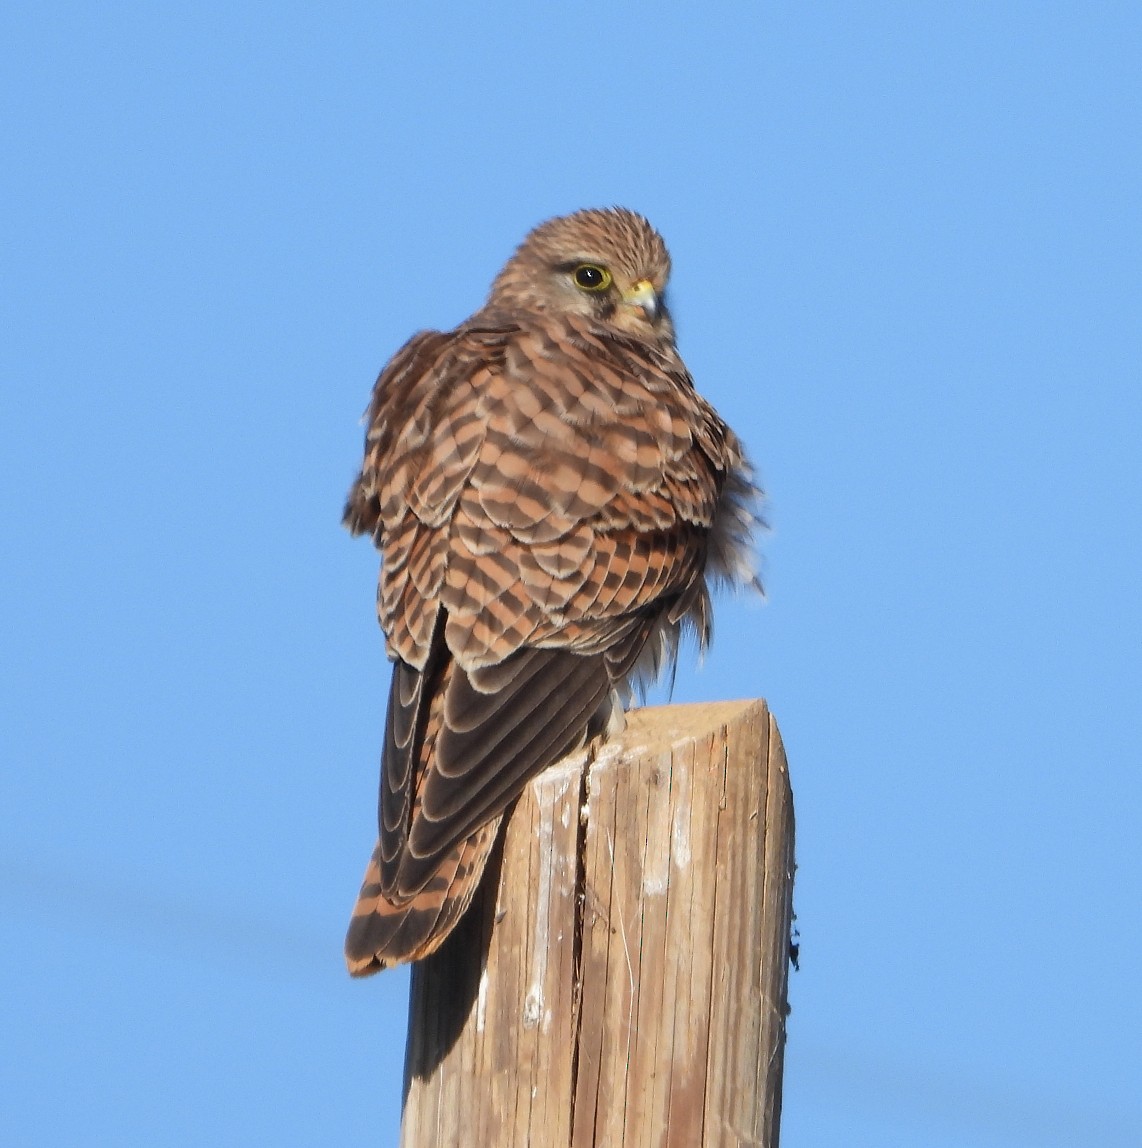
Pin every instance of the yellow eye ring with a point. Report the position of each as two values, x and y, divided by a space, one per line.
591 277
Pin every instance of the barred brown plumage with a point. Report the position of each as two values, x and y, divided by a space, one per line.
550 496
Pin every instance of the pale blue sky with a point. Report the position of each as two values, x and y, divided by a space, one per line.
908 252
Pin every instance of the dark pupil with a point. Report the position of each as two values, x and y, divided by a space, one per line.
588 277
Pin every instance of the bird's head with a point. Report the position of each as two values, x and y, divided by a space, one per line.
608 265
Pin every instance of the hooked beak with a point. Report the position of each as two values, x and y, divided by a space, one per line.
643 295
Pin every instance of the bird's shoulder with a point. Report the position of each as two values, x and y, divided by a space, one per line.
412 395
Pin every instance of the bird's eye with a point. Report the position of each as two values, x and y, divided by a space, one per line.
592 277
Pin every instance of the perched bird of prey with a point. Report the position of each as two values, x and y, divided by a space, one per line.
551 498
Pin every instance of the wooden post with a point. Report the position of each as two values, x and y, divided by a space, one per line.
622 982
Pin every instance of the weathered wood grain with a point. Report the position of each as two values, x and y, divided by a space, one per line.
622 979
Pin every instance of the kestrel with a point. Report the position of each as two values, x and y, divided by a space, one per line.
551 499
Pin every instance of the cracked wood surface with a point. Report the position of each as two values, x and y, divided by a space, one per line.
621 979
